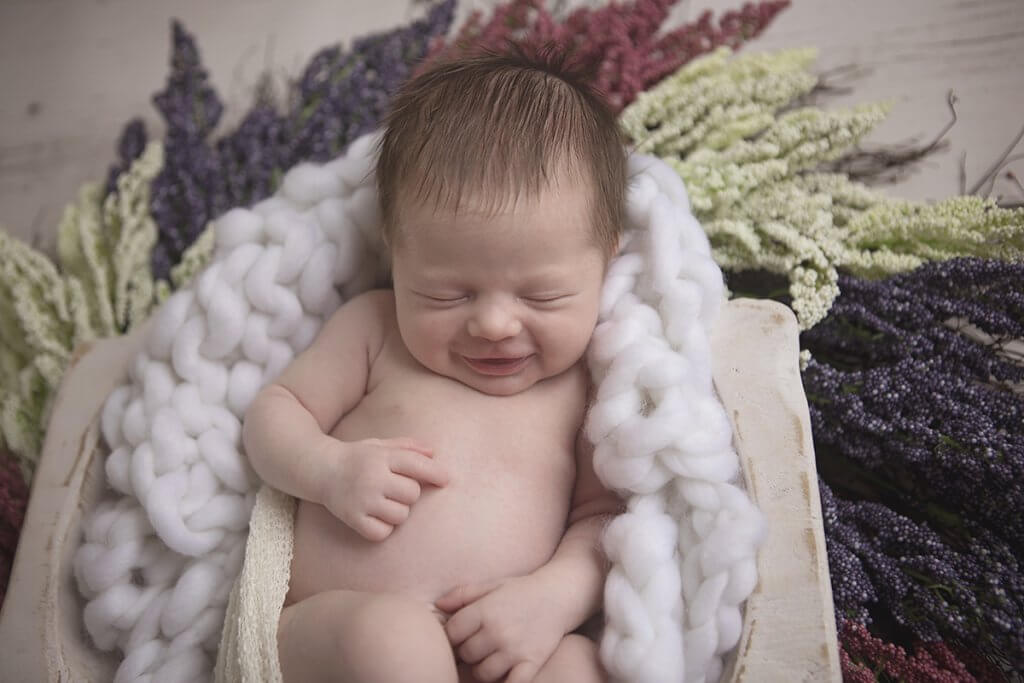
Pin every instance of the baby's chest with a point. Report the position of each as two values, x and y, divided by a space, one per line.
479 437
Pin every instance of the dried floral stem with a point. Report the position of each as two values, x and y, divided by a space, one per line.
890 163
990 175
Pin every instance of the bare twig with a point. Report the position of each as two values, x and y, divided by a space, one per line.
888 164
963 172
1015 180
993 171
830 83
1015 157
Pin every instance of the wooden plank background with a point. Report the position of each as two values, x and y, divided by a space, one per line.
72 72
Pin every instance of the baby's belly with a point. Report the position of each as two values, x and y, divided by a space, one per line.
501 515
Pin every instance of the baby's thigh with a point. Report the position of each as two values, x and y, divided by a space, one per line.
356 637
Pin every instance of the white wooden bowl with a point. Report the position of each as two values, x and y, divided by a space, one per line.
789 631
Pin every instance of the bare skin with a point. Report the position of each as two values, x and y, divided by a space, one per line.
449 516
502 483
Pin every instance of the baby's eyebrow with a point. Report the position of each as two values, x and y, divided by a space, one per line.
550 277
436 270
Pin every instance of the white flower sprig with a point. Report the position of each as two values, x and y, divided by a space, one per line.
750 170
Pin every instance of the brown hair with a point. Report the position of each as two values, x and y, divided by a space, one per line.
494 127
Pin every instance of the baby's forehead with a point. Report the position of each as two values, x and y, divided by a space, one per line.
531 250
558 211
483 199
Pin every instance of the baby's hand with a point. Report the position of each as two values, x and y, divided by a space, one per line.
502 628
377 481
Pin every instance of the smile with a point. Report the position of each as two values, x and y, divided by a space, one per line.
497 367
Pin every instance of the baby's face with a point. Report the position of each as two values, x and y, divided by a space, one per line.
499 301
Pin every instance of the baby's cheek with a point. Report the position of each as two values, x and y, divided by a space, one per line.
571 341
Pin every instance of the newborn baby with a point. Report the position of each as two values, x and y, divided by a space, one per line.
449 515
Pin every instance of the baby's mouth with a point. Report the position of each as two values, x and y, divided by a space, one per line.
497 366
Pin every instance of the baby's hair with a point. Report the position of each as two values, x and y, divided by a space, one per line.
496 127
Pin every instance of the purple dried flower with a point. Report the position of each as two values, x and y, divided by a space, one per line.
906 574
339 97
189 190
918 418
906 401
189 105
129 148
253 155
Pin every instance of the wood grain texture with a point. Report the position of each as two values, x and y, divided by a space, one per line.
74 71
41 633
789 629
914 52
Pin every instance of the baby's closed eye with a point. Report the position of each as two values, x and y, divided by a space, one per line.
547 299
443 297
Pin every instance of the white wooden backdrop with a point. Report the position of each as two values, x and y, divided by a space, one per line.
73 71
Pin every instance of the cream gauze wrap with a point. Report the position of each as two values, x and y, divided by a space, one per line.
161 555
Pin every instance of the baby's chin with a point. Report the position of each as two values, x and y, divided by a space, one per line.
491 388
509 385
493 382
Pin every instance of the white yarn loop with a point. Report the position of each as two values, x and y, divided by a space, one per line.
157 563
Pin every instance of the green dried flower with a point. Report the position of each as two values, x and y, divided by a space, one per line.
102 287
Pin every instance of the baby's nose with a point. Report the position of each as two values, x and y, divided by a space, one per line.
494 320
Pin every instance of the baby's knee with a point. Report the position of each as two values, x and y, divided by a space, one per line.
391 639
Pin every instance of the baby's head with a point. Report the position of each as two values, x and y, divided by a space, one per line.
502 182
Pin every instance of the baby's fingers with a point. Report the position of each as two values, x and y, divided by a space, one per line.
403 489
422 469
494 667
408 443
476 648
523 672
389 512
373 529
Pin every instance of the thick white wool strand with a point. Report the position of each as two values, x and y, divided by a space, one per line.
158 559
663 440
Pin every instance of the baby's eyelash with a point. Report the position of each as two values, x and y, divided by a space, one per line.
444 299
545 299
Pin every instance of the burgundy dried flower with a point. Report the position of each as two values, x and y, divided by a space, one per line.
862 654
618 43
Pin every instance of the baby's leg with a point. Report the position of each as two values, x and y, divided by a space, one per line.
575 660
355 637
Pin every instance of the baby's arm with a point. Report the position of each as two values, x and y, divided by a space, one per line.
576 573
367 484
286 425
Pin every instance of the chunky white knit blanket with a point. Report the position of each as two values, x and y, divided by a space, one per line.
159 558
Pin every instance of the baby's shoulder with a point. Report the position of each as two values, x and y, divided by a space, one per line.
373 302
370 314
373 307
